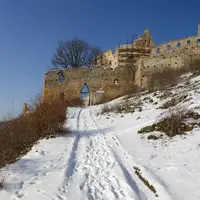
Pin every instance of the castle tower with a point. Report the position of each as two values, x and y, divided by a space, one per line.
147 38
198 29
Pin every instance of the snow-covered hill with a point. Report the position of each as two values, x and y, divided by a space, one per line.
104 158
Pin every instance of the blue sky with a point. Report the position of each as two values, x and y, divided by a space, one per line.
30 31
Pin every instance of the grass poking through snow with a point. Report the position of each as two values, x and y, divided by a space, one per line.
145 181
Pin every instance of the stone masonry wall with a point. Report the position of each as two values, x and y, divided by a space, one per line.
174 54
149 59
175 47
126 53
96 78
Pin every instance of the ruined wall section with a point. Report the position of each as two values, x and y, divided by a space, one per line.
127 54
182 46
175 54
96 78
107 59
111 66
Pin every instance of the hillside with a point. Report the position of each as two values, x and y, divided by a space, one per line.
105 157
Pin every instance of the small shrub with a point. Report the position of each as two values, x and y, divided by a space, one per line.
187 82
174 101
154 94
18 135
2 183
191 114
106 109
165 95
140 109
168 104
196 73
146 98
173 124
148 129
150 100
126 108
118 108
152 137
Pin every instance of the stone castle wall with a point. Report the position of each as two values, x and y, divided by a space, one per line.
128 53
148 59
96 78
172 48
174 54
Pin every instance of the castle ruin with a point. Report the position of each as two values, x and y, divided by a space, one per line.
115 73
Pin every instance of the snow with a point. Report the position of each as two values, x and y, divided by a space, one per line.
96 161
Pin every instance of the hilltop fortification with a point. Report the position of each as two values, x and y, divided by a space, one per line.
116 73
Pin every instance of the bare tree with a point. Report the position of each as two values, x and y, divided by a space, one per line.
74 53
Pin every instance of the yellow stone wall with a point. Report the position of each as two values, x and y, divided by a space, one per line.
108 68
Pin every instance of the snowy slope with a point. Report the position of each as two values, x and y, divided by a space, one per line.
172 163
98 160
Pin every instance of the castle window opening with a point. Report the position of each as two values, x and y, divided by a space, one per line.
179 45
188 42
169 47
116 81
158 51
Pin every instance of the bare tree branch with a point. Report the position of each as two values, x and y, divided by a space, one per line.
74 53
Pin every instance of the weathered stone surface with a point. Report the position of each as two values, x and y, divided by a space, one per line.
119 72
97 79
127 53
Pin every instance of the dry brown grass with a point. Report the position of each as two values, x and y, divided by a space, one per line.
145 181
109 108
175 122
18 135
